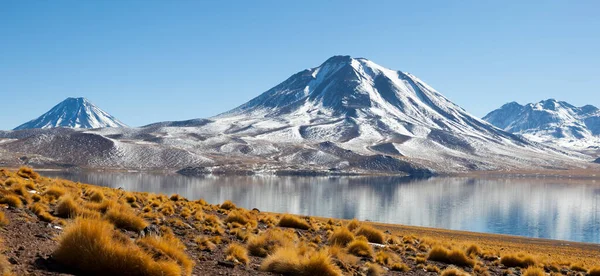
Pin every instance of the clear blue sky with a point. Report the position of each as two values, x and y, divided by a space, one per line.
148 61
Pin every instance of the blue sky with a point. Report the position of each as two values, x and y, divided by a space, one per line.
148 61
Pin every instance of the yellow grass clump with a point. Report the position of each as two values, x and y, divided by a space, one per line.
473 250
228 205
28 173
578 267
66 208
205 244
238 217
41 211
97 196
237 254
452 271
360 247
168 247
267 242
518 260
341 236
374 269
3 219
372 234
12 201
534 271
55 191
292 261
91 246
5 269
123 217
353 224
454 256
293 222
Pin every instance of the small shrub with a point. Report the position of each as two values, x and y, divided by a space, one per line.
12 201
3 219
534 271
452 271
360 247
267 242
341 236
93 247
595 271
454 256
372 234
293 222
228 205
123 217
237 254
291 261
520 260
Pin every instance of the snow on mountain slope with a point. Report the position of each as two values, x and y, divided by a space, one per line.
348 115
550 121
74 113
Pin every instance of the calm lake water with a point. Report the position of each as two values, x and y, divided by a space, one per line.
544 208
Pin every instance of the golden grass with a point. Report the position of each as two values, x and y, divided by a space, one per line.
473 250
55 191
454 256
41 211
12 201
97 196
291 221
123 217
91 246
452 271
518 260
205 244
341 236
28 173
578 267
372 234
353 224
534 271
66 208
3 219
237 254
5 267
360 247
374 269
292 261
267 242
228 205
168 247
238 217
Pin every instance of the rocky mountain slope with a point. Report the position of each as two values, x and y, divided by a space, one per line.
348 115
551 121
74 113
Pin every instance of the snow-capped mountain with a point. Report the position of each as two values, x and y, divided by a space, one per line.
348 115
74 113
550 121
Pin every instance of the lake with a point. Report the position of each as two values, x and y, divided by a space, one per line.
544 208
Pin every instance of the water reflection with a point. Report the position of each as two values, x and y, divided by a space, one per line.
526 207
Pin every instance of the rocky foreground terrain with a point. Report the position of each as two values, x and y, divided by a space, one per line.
57 227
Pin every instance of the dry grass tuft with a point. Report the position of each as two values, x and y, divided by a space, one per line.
291 221
578 267
360 247
92 247
341 236
293 261
28 173
452 271
12 201
454 256
228 205
3 219
205 244
123 217
237 254
267 242
534 271
374 269
66 208
240 217
55 191
353 224
5 269
41 211
97 196
520 260
372 234
473 250
167 247
595 271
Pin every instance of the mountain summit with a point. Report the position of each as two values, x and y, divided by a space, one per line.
74 113
550 121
